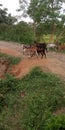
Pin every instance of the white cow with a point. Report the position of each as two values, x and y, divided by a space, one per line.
52 46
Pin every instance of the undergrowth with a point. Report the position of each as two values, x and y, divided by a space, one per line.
30 103
11 59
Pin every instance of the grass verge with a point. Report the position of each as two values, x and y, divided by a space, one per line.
29 103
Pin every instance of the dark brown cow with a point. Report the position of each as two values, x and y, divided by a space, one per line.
36 49
41 49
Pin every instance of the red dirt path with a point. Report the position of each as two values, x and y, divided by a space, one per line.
55 62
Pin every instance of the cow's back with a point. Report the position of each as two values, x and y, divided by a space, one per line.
41 45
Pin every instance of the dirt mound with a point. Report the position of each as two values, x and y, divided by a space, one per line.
47 64
25 66
4 66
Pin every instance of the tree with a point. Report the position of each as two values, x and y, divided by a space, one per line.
3 15
44 11
6 18
11 19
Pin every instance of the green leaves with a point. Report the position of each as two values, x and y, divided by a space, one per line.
21 32
6 18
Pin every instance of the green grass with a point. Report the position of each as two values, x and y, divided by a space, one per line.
29 103
11 59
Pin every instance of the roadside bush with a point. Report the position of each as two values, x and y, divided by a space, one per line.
21 32
12 60
2 101
45 95
32 101
55 123
9 85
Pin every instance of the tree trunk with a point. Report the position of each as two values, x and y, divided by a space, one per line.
52 35
34 27
59 36
53 24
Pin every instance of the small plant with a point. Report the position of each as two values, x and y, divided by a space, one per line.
2 101
55 123
12 60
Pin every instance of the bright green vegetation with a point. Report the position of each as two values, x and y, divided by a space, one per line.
11 59
30 103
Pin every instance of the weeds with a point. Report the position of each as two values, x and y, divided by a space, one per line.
30 102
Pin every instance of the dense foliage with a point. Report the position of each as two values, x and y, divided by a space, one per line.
47 20
30 103
6 18
21 33
48 17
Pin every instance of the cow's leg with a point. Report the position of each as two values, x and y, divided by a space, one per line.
38 53
45 54
42 54
33 53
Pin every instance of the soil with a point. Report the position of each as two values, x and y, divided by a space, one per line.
55 62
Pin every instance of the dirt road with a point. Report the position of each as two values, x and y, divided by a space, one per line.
55 62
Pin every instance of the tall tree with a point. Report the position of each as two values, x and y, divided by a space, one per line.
42 11
11 19
3 14
5 17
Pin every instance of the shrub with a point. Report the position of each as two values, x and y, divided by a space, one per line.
56 123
